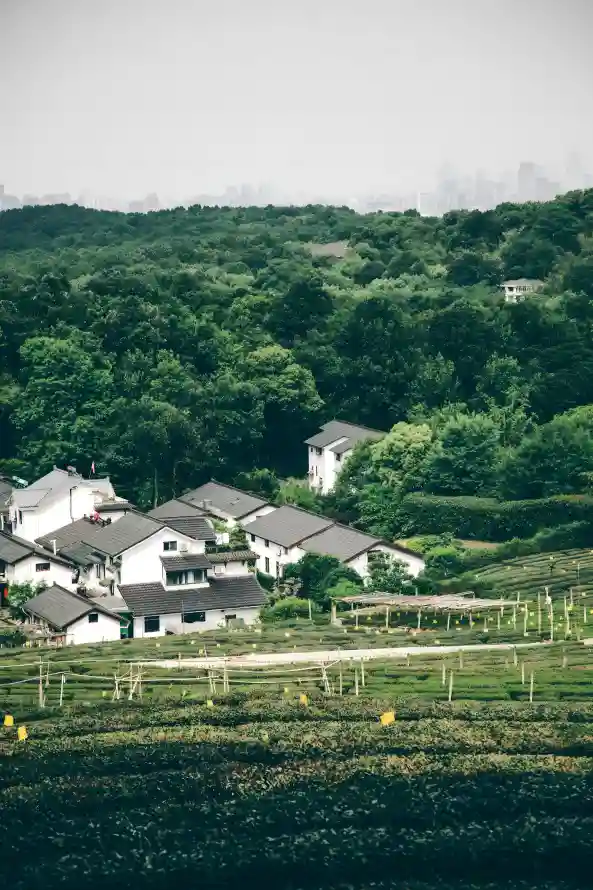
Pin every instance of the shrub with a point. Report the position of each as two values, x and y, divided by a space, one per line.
266 581
289 607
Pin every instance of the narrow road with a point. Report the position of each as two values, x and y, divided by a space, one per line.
325 656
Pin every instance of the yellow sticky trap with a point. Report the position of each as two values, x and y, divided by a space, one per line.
8 720
158 645
209 703
22 733
286 690
387 718
303 699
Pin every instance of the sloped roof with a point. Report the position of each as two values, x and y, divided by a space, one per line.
126 532
232 556
174 509
340 541
53 483
339 429
196 527
225 499
221 593
114 506
80 553
13 549
83 530
189 561
288 526
513 282
60 607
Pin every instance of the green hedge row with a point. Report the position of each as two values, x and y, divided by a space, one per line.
488 519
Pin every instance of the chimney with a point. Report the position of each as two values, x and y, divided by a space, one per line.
53 542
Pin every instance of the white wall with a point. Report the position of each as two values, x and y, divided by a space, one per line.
114 515
277 560
233 567
414 564
214 618
101 631
53 513
257 514
24 571
325 467
141 564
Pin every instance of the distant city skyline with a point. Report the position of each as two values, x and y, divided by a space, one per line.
295 99
453 190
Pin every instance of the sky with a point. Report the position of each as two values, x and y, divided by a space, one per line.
126 97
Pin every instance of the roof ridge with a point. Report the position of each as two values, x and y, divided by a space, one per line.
359 426
232 488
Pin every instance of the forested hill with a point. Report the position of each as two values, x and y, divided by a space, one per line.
212 341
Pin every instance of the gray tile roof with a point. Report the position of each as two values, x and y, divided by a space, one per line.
13 549
339 429
83 530
60 607
196 527
232 556
112 603
340 541
126 532
174 509
114 506
52 483
221 593
287 526
80 553
225 499
191 561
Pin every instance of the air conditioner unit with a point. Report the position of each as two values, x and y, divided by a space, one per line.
183 548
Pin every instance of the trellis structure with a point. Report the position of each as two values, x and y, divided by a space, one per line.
449 604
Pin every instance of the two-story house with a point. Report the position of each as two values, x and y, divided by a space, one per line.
329 449
288 533
58 498
63 617
22 562
517 289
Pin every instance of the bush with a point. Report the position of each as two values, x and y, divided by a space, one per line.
266 581
289 607
489 519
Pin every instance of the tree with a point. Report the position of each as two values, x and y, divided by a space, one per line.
388 576
316 574
465 457
303 307
19 594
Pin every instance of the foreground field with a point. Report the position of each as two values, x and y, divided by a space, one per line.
260 790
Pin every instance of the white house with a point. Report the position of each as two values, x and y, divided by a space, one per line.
517 289
71 619
196 603
231 505
329 448
58 498
22 562
285 535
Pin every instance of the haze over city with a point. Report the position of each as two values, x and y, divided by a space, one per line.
391 104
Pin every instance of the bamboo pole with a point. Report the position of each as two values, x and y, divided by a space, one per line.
362 680
62 681
450 685
448 620
525 616
341 680
539 612
419 618
386 618
41 697
498 621
531 688
523 673
356 681
515 659
443 674
551 621
461 661
514 618
310 611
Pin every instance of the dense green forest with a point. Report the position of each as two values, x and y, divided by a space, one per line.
184 344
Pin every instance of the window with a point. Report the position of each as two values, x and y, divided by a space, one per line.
100 569
266 543
228 618
193 617
286 551
338 457
253 537
42 567
152 624
318 452
169 545
21 517
189 576
93 617
267 562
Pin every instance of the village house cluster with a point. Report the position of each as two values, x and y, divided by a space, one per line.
111 571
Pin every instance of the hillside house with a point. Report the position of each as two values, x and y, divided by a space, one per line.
22 562
58 498
193 596
517 289
329 449
288 533
228 504
63 617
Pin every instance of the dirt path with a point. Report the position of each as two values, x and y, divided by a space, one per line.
325 656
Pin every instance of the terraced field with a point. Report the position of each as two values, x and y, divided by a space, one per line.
260 790
560 571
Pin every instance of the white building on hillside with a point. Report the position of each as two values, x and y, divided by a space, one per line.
58 498
285 535
517 289
329 449
22 562
62 617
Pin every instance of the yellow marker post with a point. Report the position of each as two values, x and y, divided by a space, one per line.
286 690
8 720
209 703
22 733
387 718
303 699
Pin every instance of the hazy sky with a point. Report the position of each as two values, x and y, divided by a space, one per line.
177 96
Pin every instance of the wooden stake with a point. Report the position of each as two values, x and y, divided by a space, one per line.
41 697
419 618
362 673
525 616
62 681
310 611
448 620
515 659
450 685
47 674
386 617
498 621
356 681
523 673
531 688
356 619
514 617
551 621
444 674
539 612
341 680
461 661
